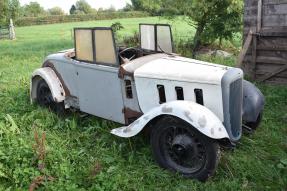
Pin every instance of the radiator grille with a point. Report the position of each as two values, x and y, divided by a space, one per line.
235 107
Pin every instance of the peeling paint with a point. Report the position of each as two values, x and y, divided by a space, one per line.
199 117
118 130
146 118
127 129
166 109
190 107
49 64
186 114
212 131
202 121
50 77
135 123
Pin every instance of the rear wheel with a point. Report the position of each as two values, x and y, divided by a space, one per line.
180 148
45 98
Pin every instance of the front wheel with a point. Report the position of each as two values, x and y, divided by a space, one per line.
179 147
254 125
45 98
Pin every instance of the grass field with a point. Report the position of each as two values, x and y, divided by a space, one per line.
82 155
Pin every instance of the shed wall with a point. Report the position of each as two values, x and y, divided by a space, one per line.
266 57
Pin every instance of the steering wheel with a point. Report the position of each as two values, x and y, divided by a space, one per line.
127 49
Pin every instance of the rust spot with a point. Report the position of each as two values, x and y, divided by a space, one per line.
122 73
187 115
70 54
131 114
212 131
166 109
202 121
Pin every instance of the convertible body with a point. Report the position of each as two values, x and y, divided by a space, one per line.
150 86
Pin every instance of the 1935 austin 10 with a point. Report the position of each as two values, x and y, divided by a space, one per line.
190 107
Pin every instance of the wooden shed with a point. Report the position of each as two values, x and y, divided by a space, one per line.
264 53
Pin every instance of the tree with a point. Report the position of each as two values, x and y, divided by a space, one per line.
111 9
213 19
84 6
101 9
56 11
137 4
78 12
4 6
33 9
14 9
128 7
73 10
9 9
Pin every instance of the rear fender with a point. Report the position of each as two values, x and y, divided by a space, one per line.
198 116
51 79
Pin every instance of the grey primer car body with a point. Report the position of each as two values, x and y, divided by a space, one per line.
137 87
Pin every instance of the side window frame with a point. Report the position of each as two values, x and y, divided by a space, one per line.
93 29
75 44
156 49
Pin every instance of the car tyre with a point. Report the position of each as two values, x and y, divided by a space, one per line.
45 98
254 125
180 148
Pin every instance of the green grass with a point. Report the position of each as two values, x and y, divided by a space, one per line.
82 155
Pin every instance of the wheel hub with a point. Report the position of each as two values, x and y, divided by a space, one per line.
183 146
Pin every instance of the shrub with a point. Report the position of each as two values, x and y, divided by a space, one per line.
27 21
132 41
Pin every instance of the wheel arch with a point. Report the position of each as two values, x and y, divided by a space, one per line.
52 80
198 116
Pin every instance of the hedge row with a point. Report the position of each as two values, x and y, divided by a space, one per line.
27 21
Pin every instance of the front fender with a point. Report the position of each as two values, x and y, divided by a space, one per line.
253 102
196 115
51 79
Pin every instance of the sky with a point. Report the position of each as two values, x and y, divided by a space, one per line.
66 4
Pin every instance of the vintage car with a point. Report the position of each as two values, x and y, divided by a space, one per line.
190 108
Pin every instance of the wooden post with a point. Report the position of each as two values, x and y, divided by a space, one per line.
244 49
254 58
254 40
12 34
259 16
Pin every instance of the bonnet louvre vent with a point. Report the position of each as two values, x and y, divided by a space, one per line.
161 94
179 93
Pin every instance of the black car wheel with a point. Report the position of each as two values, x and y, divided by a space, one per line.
45 98
180 148
254 125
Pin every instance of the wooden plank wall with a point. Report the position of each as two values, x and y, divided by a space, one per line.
267 54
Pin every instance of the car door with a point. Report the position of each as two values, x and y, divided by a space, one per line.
100 92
